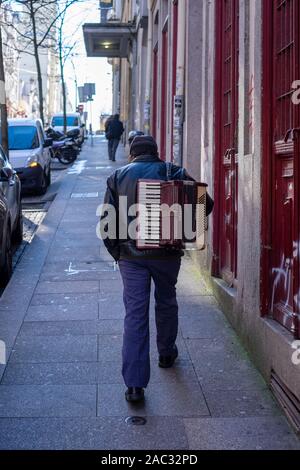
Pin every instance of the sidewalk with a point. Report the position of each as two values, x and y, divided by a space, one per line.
62 317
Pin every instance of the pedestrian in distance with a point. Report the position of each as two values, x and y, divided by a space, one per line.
113 131
139 267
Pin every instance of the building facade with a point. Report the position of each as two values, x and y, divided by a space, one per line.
217 82
20 66
49 63
10 58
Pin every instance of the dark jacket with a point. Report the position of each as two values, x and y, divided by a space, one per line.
114 129
124 183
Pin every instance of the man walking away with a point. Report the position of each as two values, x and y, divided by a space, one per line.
139 267
113 132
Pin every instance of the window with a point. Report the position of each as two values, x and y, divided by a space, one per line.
72 121
23 138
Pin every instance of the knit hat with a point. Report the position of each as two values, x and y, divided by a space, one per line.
143 145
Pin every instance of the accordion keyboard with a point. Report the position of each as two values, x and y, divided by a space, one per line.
149 214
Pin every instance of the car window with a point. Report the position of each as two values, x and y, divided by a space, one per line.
58 121
23 138
41 132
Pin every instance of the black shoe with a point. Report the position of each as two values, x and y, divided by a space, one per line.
134 394
167 361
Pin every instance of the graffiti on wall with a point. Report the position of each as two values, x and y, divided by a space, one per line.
283 278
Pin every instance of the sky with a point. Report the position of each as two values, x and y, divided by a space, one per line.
94 70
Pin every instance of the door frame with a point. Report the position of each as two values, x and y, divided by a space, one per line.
218 153
163 121
154 91
267 170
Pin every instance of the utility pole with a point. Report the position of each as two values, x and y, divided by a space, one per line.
3 108
76 83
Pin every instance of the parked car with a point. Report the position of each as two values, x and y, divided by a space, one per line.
11 221
29 154
73 123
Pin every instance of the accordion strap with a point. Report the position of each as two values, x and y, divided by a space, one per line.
169 166
169 170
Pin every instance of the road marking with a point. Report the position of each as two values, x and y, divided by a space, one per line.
77 168
71 272
83 195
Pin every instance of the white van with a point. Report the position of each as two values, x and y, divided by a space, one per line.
73 122
29 153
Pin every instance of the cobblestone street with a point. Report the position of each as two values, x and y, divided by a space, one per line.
61 317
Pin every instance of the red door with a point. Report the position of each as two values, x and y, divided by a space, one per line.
226 159
164 96
154 92
281 239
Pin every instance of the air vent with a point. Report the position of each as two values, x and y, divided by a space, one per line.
289 402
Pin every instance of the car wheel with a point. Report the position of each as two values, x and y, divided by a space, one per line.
49 176
6 269
43 186
17 236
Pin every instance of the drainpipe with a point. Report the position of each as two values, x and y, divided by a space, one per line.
148 71
178 105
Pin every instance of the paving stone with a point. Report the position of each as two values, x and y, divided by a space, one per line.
110 348
186 399
258 433
49 313
57 272
81 373
13 298
105 307
111 287
74 254
196 303
45 401
213 349
55 349
8 331
231 375
75 328
85 240
74 230
66 287
64 299
204 325
241 403
92 434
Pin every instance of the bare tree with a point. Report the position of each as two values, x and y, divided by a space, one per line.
64 52
37 31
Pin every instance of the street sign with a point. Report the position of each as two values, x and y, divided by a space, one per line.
89 90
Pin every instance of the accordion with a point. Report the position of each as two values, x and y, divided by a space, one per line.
171 214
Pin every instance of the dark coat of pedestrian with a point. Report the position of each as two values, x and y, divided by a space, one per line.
113 131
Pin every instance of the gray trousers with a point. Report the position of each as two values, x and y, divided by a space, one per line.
137 275
112 148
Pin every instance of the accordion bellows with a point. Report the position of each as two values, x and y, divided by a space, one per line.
171 214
